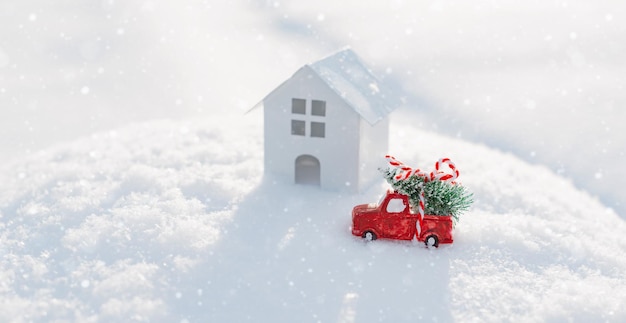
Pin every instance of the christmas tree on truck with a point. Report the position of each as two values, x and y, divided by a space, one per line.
435 193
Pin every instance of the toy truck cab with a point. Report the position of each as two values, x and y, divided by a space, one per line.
392 218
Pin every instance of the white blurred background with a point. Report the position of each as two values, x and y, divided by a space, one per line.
544 80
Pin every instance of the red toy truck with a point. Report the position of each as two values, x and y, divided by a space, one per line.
392 218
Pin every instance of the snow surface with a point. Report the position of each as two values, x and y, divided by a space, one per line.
174 221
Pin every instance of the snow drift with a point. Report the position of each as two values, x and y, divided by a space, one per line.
174 221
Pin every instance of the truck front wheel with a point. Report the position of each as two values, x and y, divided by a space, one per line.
369 236
432 241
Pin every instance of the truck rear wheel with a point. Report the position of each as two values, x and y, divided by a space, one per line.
369 236
432 241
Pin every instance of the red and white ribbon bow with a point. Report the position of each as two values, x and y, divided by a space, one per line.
403 172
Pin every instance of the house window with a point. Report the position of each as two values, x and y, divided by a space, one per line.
298 106
298 127
318 129
318 108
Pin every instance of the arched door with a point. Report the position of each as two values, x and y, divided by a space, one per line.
307 170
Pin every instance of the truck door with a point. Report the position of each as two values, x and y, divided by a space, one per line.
397 220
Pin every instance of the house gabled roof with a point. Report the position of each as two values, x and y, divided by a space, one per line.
347 76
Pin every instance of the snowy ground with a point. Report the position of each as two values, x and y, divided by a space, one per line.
116 206
174 221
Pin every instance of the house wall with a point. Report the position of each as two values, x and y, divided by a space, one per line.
374 146
338 151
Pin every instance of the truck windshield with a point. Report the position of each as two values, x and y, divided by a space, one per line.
381 199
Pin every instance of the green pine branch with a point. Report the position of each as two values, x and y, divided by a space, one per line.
441 198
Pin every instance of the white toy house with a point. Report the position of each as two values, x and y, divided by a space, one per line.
327 124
